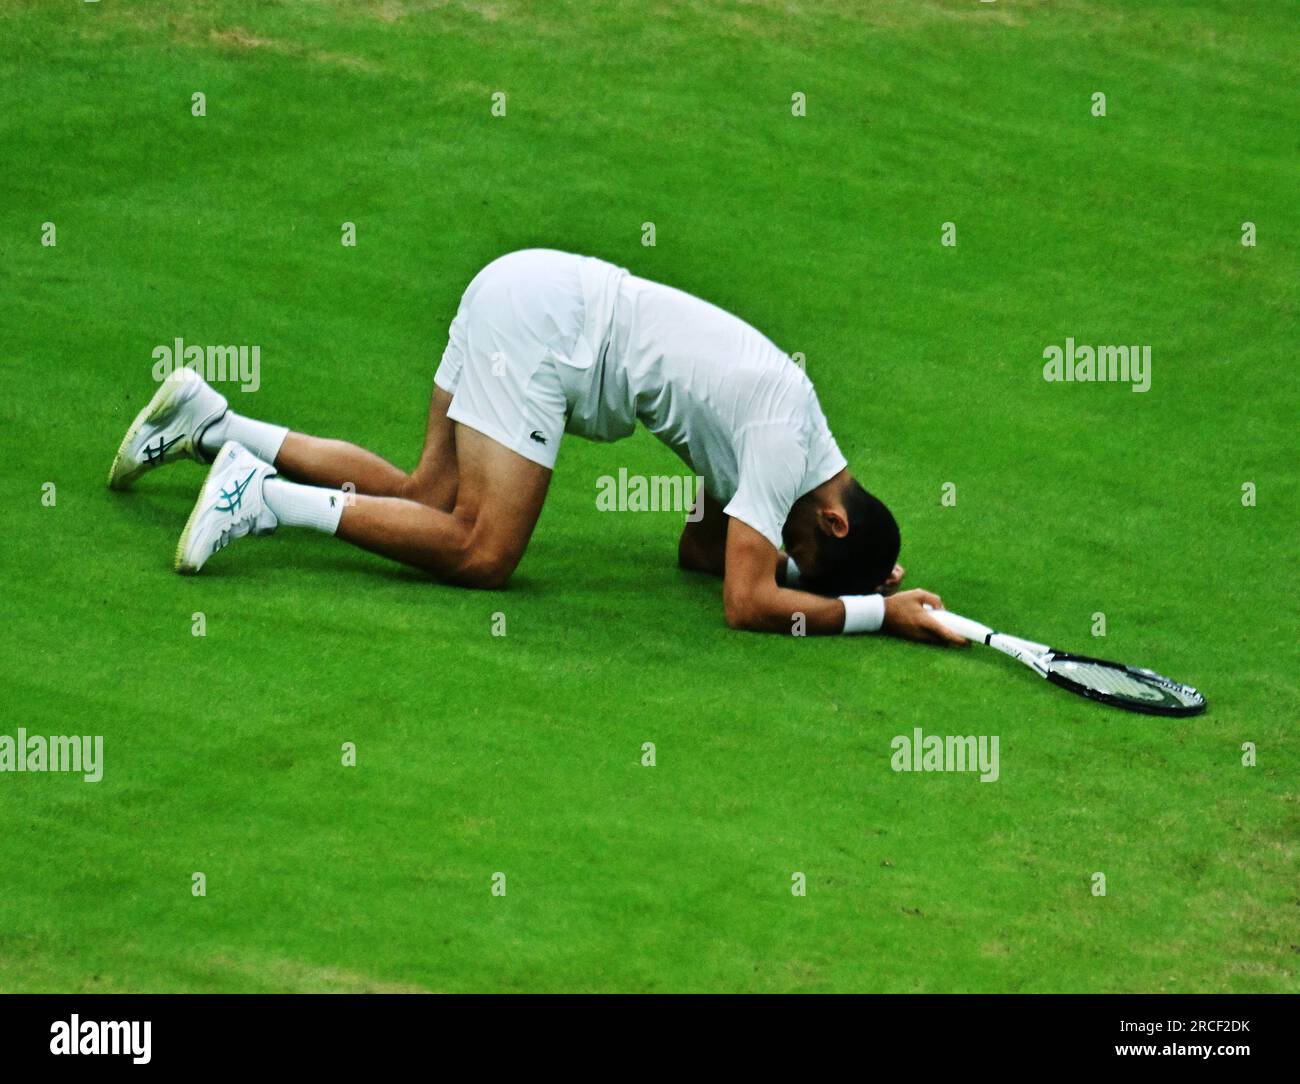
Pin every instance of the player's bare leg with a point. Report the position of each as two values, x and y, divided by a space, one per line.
481 540
322 461
436 478
476 543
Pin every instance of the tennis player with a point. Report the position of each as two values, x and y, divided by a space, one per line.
546 343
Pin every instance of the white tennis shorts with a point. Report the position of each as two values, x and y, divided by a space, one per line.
500 365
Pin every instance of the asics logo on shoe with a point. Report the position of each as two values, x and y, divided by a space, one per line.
234 497
153 455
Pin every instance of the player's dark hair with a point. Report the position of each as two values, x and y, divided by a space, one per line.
862 560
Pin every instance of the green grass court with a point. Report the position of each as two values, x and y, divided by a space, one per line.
521 753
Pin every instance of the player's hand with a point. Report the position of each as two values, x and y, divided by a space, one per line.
906 616
891 585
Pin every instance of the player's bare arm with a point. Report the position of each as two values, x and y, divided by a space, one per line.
753 601
703 544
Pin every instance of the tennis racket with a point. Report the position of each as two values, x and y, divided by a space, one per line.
1130 687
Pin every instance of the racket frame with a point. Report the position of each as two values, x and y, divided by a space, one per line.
1039 658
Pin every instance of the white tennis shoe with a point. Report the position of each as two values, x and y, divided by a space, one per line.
230 506
168 428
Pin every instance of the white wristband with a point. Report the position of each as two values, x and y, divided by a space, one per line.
791 573
863 613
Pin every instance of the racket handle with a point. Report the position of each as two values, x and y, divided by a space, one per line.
962 626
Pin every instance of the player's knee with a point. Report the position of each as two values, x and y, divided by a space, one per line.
488 569
487 577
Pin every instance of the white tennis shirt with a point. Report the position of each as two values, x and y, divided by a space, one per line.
736 409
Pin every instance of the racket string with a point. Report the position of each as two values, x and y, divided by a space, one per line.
1110 680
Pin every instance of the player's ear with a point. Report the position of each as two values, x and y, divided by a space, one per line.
834 521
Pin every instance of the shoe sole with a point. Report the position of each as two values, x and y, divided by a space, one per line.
120 479
178 562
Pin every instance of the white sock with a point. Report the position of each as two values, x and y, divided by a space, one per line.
304 506
260 438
